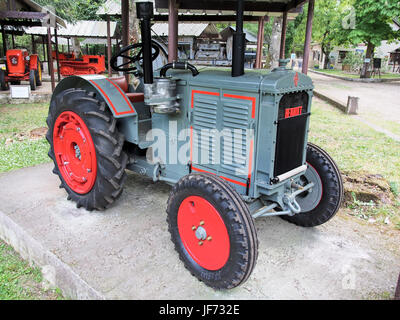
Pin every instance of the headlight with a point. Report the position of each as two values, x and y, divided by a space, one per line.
27 58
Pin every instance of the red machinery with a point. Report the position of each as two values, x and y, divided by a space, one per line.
21 67
88 64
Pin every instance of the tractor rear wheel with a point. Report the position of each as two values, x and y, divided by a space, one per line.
3 84
323 201
32 79
212 230
86 149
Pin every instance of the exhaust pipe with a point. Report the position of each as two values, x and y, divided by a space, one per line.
144 11
239 42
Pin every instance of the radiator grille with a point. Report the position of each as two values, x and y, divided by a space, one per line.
292 125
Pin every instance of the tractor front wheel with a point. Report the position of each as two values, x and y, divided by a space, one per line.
86 149
322 202
38 73
212 230
32 79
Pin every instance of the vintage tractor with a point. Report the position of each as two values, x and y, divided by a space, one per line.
233 145
21 67
86 64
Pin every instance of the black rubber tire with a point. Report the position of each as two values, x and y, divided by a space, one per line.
3 84
237 219
332 194
37 75
108 142
32 80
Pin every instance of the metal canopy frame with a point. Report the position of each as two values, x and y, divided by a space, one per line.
27 13
219 10
221 5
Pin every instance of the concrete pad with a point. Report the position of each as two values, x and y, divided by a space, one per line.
126 252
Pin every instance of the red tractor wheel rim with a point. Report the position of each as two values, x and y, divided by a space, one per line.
203 233
74 152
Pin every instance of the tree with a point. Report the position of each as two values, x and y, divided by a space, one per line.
326 25
73 10
373 21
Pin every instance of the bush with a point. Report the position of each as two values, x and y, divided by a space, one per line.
354 60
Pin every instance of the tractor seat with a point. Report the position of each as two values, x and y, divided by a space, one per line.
123 84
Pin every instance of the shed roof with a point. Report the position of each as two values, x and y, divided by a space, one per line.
28 12
187 29
213 10
82 28
228 31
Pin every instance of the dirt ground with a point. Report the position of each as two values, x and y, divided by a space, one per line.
126 252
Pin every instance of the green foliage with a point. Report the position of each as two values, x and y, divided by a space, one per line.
373 19
354 59
19 281
73 10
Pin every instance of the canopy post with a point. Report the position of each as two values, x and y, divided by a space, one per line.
307 41
260 42
50 60
58 63
172 31
283 36
33 44
109 47
4 38
125 26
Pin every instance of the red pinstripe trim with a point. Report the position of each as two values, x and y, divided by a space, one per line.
234 181
252 99
202 92
110 102
225 178
122 93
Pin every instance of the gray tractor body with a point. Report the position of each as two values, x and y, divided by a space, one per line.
249 130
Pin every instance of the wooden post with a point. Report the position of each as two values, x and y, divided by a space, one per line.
397 292
109 47
50 57
307 42
4 37
125 26
44 47
33 44
260 43
172 31
58 60
283 36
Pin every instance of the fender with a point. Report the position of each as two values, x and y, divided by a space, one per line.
33 62
113 96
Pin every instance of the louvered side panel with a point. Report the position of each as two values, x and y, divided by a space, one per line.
234 151
204 123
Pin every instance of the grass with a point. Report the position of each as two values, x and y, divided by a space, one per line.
354 75
19 281
357 148
390 125
17 150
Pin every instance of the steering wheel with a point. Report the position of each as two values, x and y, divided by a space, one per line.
132 61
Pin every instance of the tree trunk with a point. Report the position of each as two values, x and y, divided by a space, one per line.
275 43
368 55
133 23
